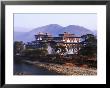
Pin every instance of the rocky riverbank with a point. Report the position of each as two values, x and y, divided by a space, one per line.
64 69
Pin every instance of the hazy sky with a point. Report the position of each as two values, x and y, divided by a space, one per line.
31 21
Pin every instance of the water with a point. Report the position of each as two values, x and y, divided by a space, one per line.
31 69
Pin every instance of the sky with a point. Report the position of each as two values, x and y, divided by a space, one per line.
31 21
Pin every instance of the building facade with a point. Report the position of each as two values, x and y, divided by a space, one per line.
70 41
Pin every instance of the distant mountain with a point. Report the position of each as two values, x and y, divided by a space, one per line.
77 30
53 29
18 36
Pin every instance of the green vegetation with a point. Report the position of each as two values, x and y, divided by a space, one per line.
89 48
34 52
18 47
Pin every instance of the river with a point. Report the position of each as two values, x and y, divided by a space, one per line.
31 69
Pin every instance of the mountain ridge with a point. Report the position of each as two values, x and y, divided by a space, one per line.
54 30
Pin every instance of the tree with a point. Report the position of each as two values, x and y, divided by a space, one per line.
45 45
89 45
18 47
35 52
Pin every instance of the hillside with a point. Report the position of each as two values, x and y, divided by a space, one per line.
53 29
